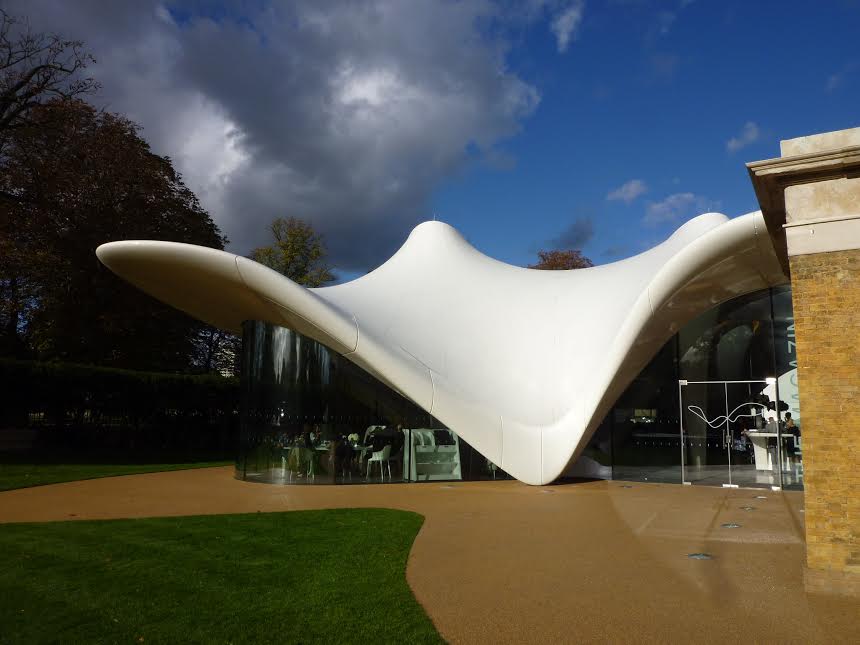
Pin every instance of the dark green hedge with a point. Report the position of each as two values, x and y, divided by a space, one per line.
106 410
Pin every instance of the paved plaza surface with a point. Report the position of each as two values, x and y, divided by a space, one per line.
505 562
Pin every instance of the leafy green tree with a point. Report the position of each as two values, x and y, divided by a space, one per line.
87 179
298 252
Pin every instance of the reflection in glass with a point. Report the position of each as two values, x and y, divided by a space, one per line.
731 342
643 425
750 338
705 427
311 416
432 455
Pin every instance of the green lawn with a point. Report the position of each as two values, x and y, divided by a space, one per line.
24 475
335 576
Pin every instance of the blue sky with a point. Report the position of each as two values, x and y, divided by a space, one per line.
528 125
633 98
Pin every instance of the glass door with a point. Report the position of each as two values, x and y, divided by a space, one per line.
730 433
705 456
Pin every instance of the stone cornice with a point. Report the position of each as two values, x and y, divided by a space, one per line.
771 177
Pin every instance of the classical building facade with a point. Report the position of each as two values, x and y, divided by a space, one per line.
810 198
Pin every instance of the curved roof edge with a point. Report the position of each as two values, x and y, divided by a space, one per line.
522 364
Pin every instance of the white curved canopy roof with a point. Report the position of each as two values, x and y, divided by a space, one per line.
523 364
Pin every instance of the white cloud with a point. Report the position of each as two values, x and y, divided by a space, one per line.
210 150
676 207
566 24
348 113
628 191
838 78
665 20
749 134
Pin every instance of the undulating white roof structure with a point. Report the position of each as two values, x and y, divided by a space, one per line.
522 364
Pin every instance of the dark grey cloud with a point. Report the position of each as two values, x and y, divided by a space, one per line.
346 113
575 236
617 251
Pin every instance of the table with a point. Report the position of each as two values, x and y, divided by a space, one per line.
763 459
301 459
361 450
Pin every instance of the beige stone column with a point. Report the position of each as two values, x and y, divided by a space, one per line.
811 201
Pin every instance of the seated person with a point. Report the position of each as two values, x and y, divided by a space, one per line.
378 440
342 449
341 455
371 430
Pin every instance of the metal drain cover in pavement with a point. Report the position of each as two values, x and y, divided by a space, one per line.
700 556
747 508
730 525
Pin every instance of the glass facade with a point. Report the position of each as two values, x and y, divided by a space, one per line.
311 416
717 405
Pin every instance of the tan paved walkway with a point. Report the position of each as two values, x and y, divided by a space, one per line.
503 562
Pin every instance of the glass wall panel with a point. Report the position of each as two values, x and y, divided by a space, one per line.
731 342
595 462
646 444
754 433
311 416
750 338
706 453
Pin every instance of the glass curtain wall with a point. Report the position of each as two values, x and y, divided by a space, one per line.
643 423
730 376
310 416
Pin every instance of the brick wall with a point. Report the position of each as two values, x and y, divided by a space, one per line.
826 296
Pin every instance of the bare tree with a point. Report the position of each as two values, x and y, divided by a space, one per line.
36 68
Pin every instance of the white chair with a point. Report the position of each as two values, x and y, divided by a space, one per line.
425 437
382 458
